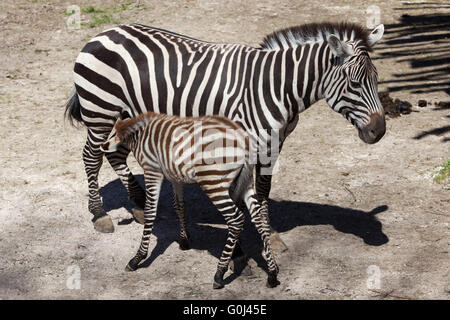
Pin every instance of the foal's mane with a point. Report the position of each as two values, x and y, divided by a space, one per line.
125 128
315 32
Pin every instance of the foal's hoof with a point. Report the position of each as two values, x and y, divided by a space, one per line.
218 278
272 281
138 214
218 285
129 268
104 224
184 244
132 265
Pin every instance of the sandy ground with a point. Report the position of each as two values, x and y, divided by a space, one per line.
360 221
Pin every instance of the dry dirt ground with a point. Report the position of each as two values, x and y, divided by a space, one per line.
350 213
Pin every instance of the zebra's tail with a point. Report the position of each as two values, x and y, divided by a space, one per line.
73 108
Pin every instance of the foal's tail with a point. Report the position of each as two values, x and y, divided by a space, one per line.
243 181
73 107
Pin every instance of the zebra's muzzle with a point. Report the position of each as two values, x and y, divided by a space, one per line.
374 130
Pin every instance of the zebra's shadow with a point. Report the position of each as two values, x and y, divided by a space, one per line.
208 231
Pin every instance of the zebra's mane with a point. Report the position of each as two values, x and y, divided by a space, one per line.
316 32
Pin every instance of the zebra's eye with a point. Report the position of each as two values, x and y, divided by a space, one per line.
355 84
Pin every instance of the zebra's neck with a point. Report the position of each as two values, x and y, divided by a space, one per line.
285 82
132 140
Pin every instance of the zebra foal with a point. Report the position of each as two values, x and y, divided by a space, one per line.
212 151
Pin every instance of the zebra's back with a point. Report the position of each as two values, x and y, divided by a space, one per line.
134 69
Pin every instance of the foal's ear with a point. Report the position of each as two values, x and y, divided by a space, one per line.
112 144
338 47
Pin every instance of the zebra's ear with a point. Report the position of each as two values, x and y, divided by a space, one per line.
111 145
338 47
375 35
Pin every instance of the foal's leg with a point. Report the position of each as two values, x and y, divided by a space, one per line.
118 161
263 184
179 206
235 222
260 220
153 182
93 159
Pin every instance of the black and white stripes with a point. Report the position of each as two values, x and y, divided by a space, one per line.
211 151
131 69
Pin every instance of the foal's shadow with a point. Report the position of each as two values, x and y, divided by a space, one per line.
208 231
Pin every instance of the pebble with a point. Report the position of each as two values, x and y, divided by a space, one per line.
403 107
422 103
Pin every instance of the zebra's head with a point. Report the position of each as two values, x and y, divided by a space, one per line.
117 137
126 132
353 85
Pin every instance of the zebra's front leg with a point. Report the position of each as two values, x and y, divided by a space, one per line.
179 206
153 182
263 184
93 159
118 161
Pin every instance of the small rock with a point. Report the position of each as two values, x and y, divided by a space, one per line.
422 103
388 104
403 107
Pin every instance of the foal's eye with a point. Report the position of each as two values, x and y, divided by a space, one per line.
355 84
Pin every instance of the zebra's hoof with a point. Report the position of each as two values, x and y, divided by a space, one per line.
247 271
104 224
184 244
272 281
138 214
218 285
139 200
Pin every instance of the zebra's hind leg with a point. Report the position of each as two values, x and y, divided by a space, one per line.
179 206
93 159
235 222
118 161
153 182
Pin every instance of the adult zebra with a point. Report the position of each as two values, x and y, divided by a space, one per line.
131 69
